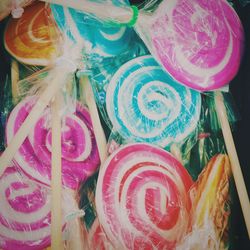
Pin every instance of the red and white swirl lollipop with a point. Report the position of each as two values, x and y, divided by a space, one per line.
24 213
80 157
142 198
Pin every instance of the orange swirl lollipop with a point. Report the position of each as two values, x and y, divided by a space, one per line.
211 190
210 199
30 39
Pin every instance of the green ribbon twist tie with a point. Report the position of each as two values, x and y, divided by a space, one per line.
131 22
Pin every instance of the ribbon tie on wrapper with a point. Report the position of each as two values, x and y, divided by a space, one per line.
17 10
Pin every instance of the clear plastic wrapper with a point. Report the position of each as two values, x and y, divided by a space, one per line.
208 139
78 141
25 212
80 158
79 154
182 36
139 188
143 196
142 103
211 207
101 40
32 38
15 7
94 235
146 198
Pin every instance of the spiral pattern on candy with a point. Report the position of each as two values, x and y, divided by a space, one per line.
142 198
145 104
24 213
80 157
29 39
199 42
99 40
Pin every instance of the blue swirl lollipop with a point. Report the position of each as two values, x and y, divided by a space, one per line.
99 40
145 104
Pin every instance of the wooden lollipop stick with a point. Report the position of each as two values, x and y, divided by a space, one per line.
235 165
121 14
52 88
56 177
97 127
75 239
14 80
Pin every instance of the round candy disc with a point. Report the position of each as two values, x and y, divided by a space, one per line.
142 198
199 42
80 157
29 38
145 104
24 213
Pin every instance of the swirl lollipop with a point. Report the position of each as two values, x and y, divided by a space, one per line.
145 104
99 40
198 42
142 198
210 199
29 39
80 157
24 213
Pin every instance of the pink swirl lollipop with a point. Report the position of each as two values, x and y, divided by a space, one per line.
141 198
80 157
24 213
199 42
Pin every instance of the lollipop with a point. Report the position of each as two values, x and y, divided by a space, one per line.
141 198
79 152
211 192
145 104
99 40
24 213
29 39
210 196
198 42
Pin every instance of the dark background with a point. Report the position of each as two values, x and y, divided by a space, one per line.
240 89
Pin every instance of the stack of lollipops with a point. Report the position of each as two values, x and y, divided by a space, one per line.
147 74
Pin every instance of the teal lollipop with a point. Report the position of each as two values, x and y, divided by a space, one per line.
100 40
145 104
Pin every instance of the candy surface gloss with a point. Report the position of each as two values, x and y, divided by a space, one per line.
141 198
